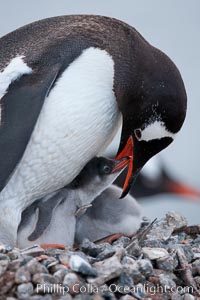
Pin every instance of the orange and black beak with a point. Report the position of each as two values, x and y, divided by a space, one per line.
120 164
127 152
183 190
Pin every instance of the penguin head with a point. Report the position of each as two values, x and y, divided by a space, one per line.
153 112
98 174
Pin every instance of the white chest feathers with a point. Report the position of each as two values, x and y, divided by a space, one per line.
78 120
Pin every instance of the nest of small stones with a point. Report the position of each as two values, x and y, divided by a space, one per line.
162 261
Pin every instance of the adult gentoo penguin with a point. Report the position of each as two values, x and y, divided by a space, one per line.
52 219
66 84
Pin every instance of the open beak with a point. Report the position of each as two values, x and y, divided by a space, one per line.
120 164
127 152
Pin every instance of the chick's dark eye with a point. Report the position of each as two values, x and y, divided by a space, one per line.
138 133
106 169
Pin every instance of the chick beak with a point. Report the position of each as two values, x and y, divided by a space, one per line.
120 164
127 152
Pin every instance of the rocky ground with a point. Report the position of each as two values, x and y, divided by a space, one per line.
162 261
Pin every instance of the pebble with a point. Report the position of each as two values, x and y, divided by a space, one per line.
40 278
188 297
34 267
163 229
145 267
154 253
166 263
108 269
92 249
4 261
79 265
32 251
25 290
72 281
167 282
22 275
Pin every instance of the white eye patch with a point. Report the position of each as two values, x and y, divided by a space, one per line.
153 131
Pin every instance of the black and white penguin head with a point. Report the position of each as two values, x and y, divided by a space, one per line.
98 174
153 112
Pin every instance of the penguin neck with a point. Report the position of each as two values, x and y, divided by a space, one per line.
88 193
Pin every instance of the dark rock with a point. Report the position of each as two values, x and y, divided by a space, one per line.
92 249
125 282
122 242
145 267
188 252
166 263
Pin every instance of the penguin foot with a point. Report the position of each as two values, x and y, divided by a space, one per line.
56 246
109 239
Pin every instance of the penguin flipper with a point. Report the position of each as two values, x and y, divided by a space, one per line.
20 108
45 214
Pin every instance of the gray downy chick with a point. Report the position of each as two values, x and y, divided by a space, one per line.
52 219
109 215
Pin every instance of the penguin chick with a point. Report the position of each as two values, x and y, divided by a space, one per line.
52 219
109 215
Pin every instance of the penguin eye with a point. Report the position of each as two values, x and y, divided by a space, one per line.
138 134
106 169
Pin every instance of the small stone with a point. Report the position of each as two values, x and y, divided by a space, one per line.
108 269
188 252
22 275
60 274
92 249
64 258
78 264
32 251
176 296
58 267
166 282
24 291
166 263
66 297
188 297
163 229
125 282
154 253
36 297
135 250
122 242
4 261
152 243
108 252
40 278
72 282
197 240
128 261
33 266
145 267
197 279
196 267
127 297
139 292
